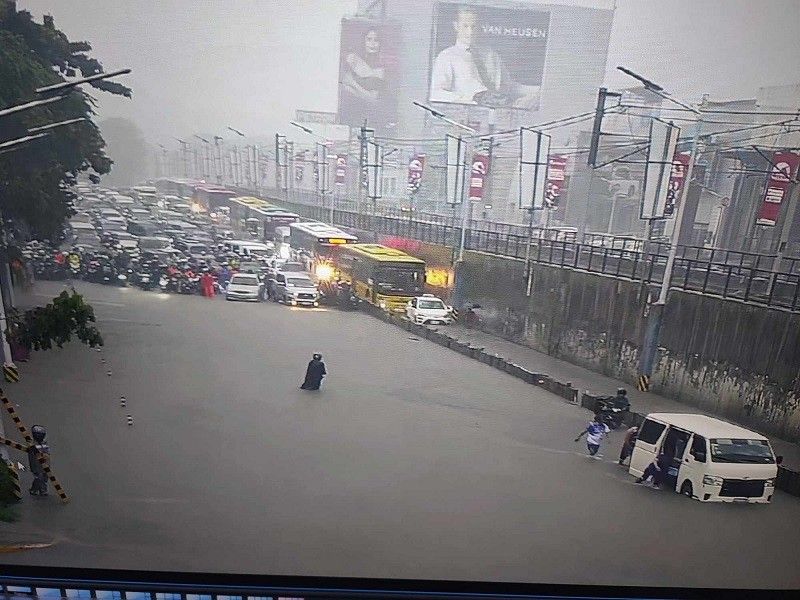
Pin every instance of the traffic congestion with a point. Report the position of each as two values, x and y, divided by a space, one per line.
240 248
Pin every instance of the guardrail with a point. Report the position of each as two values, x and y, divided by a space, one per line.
729 274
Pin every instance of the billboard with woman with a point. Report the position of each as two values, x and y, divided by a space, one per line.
367 73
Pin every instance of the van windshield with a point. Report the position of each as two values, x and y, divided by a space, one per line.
726 450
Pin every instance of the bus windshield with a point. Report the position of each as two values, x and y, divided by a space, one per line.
399 280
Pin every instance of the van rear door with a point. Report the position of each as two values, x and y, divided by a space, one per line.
647 443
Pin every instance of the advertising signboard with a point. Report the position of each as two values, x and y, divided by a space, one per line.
488 56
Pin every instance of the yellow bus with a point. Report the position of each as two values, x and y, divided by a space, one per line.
382 276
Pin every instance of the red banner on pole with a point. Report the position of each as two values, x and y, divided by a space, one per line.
556 174
415 168
341 168
677 179
480 170
784 169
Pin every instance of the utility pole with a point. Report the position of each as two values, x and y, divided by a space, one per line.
362 165
184 157
218 166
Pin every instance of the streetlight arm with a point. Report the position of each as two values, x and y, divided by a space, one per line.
441 116
54 125
16 142
236 131
653 87
71 84
657 90
28 105
303 127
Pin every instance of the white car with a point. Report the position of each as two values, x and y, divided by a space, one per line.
244 286
428 309
296 289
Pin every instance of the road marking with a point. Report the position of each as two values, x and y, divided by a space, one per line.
153 500
22 547
114 320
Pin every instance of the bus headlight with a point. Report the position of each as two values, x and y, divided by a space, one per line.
324 272
769 482
712 480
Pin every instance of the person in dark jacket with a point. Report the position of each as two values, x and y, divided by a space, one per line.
656 470
314 373
628 444
39 449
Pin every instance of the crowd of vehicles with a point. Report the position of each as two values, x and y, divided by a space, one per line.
253 251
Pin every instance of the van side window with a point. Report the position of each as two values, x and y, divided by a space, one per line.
651 431
698 450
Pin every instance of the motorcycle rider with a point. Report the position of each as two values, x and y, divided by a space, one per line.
75 260
621 399
122 260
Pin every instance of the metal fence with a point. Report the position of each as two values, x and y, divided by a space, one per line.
744 276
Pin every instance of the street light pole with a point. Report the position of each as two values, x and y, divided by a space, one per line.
238 168
217 159
656 315
184 157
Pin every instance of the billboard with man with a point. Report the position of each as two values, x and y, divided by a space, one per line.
488 56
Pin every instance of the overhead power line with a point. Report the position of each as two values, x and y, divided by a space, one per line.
715 112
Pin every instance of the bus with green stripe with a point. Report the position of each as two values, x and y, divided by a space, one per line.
383 276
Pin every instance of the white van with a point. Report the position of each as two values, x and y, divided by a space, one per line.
248 248
706 458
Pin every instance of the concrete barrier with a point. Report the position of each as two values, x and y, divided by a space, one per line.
485 357
476 352
788 481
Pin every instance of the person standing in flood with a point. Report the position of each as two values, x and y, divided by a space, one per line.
314 373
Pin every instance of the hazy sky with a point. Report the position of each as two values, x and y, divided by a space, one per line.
200 65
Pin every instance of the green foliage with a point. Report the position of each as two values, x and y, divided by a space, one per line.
6 488
41 327
8 514
35 178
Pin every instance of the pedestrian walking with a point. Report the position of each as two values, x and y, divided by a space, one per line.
40 449
207 284
595 431
628 443
314 373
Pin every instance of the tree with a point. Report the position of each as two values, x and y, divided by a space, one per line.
41 327
127 149
35 180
